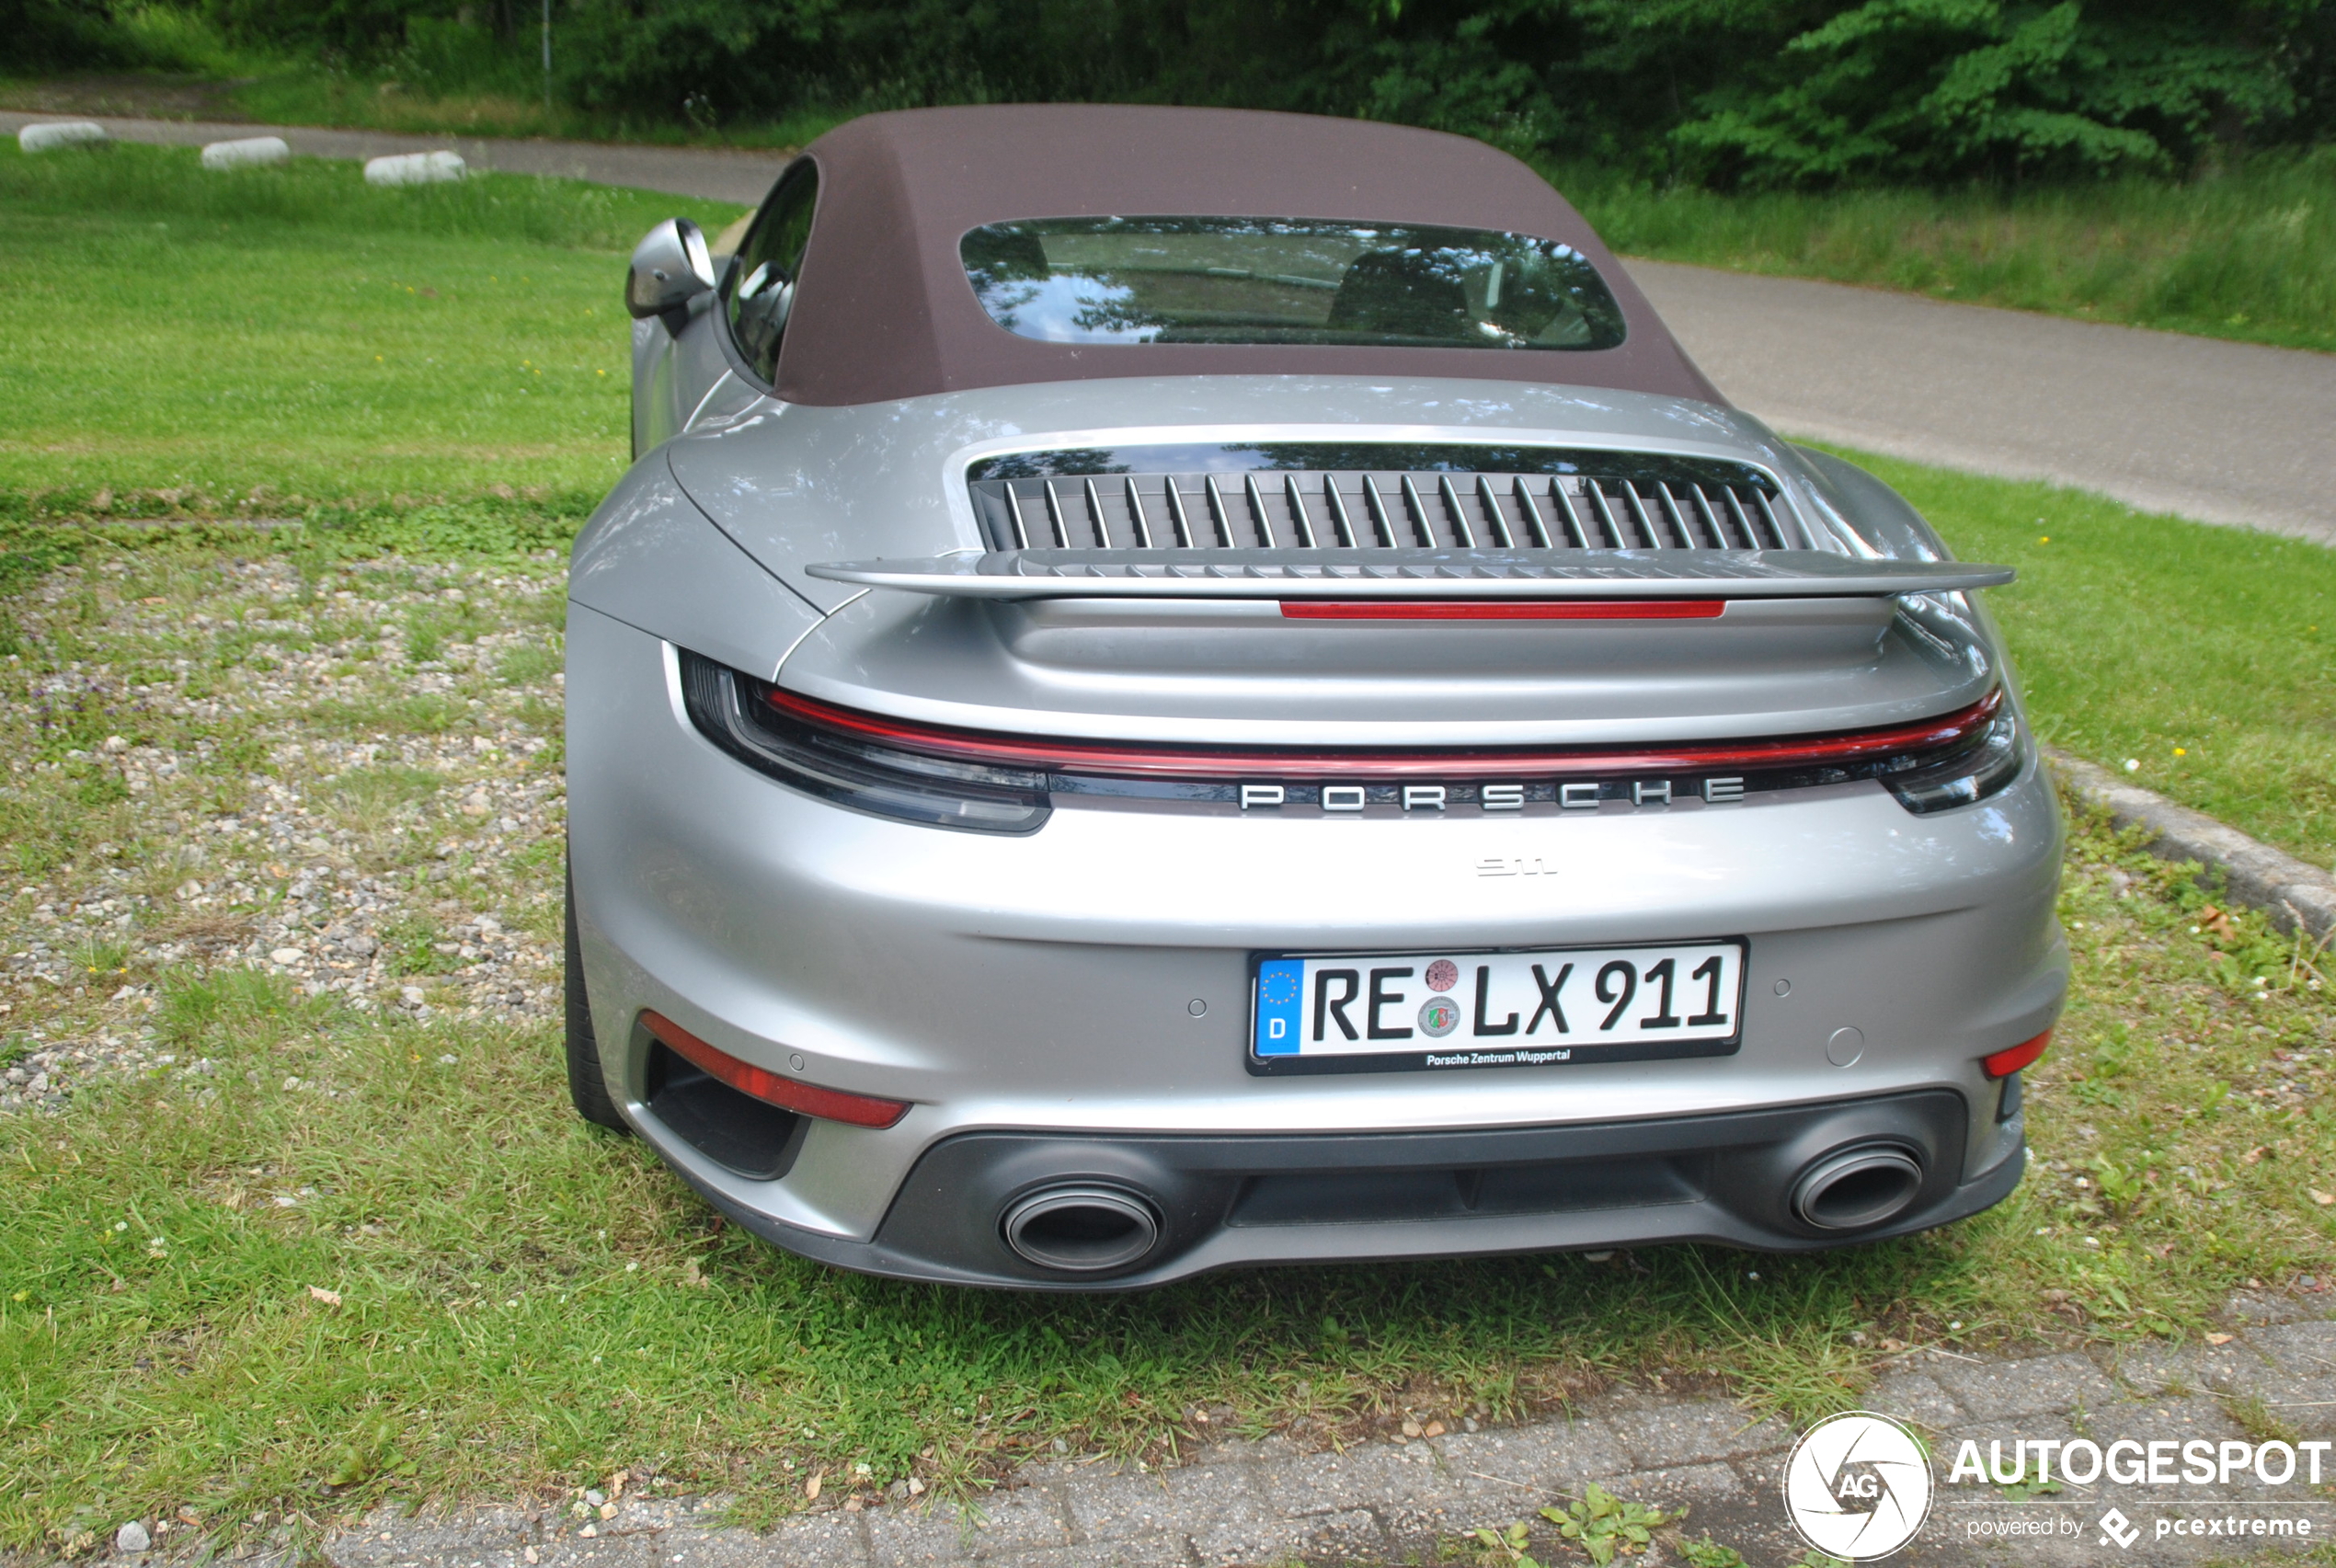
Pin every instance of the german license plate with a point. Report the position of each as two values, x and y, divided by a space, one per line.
1389 1012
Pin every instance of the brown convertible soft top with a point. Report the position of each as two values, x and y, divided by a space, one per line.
883 309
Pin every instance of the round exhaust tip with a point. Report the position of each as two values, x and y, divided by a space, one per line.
1858 1187
1081 1230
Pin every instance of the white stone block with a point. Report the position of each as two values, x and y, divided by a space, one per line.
249 153
59 133
413 168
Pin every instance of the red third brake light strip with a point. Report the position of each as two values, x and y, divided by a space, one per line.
829 1105
1497 610
1227 763
2010 1060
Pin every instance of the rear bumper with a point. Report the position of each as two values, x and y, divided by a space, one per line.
1083 990
1225 1202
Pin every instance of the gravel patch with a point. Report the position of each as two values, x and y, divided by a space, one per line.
348 780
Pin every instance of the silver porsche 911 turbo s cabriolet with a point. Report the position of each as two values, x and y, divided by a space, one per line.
1173 689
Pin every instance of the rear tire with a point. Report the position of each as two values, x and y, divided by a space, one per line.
585 1085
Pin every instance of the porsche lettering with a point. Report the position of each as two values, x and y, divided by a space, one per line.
1573 795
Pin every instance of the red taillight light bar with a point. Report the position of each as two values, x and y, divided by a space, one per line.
2010 1060
1041 755
828 1105
1503 609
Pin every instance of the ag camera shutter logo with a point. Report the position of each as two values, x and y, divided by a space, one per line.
1858 1486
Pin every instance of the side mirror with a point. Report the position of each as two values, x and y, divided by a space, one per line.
670 268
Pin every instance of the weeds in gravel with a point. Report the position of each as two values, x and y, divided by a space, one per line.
205 796
1604 1526
1599 1526
1506 1548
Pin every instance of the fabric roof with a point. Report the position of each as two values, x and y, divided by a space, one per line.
883 309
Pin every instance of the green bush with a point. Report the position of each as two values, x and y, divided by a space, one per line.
1735 91
1900 89
1757 93
49 35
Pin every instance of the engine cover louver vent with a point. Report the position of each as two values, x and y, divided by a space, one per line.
1549 499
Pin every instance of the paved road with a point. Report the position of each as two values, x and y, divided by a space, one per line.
2226 432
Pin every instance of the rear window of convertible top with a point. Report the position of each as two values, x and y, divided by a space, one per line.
1286 281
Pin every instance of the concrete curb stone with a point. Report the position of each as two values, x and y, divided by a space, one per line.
1664 1433
2000 1390
1526 1466
1915 1396
1186 1501
2307 1350
2293 893
2160 1371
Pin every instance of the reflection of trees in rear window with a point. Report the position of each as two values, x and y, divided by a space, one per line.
1286 281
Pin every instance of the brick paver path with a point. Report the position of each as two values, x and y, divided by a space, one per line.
1266 1502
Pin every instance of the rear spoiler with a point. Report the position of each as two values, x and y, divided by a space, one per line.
1351 574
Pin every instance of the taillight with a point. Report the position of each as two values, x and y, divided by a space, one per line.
1503 609
829 1105
735 712
1001 783
1974 769
2010 1060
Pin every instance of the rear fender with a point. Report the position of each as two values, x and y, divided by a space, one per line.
1875 511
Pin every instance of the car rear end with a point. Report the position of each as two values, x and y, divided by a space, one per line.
1579 823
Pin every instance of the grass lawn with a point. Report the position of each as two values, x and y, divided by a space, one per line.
2247 253
2206 655
296 332
293 1218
